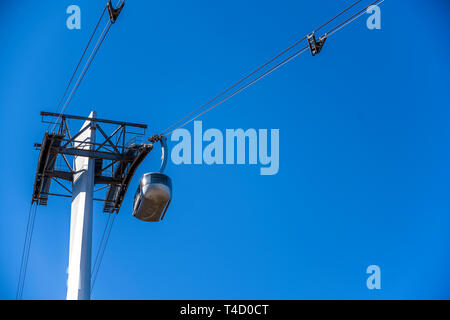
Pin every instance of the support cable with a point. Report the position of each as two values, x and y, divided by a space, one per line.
242 88
102 248
87 64
181 124
79 62
94 266
353 18
26 250
85 69
258 69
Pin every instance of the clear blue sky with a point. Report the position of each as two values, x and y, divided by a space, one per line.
364 150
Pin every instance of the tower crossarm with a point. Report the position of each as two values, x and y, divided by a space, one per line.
116 155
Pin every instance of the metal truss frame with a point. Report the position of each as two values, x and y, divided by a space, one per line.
117 156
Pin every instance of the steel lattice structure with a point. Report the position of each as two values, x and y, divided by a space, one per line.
117 157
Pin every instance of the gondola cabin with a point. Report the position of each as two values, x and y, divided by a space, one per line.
153 197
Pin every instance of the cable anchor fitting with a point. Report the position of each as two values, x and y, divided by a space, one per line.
114 13
316 46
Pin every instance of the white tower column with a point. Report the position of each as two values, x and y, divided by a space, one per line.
80 254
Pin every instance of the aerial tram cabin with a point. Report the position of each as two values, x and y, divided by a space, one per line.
154 193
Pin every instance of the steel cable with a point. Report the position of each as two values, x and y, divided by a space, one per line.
79 62
26 250
168 131
87 65
102 249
